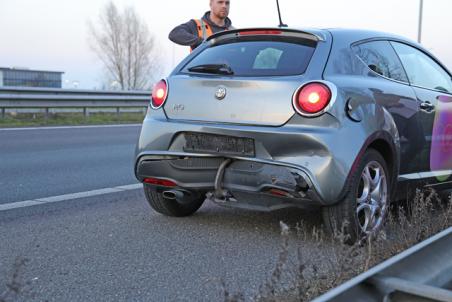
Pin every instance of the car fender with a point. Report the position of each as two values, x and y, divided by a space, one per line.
385 139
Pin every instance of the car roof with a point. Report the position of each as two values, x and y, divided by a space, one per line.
353 34
346 34
362 34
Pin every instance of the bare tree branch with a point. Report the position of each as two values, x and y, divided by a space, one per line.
126 48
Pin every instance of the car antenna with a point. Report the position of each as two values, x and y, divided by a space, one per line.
281 24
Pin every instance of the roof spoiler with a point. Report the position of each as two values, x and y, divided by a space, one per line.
267 31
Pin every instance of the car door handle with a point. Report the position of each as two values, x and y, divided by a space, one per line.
427 106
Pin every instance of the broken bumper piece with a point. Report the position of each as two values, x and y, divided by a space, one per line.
234 182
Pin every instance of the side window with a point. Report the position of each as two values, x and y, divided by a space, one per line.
382 59
422 70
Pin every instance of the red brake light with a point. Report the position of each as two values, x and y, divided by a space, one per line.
159 93
259 32
312 98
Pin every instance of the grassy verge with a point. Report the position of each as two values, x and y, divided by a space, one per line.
73 118
332 262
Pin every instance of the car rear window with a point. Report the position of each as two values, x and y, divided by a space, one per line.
275 57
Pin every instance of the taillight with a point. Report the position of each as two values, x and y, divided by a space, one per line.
312 98
159 94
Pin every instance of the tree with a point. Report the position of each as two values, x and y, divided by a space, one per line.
126 47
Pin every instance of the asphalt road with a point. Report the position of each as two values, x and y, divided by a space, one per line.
113 247
50 162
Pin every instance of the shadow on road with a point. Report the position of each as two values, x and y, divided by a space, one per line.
212 215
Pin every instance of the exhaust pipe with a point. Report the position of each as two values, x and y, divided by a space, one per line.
173 194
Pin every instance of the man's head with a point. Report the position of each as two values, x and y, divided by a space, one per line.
219 8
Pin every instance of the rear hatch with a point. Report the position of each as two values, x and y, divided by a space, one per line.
242 77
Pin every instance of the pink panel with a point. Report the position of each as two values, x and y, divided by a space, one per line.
441 148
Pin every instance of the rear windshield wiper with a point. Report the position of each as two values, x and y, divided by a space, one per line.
212 68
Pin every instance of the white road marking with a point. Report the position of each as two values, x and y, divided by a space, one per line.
19 204
39 201
70 127
129 187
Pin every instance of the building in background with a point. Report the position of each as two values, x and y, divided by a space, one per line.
19 77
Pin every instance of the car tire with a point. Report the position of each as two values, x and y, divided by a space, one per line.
363 210
172 207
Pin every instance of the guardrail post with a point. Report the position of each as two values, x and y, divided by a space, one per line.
46 113
118 111
85 112
3 112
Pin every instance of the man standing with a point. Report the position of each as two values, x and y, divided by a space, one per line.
195 31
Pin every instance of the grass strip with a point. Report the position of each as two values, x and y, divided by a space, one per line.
70 119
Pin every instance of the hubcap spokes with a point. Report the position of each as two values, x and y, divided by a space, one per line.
372 198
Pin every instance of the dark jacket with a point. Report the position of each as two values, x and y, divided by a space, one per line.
187 33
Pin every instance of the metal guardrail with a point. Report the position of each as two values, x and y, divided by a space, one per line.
421 273
47 98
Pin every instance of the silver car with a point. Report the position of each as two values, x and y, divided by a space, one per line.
268 118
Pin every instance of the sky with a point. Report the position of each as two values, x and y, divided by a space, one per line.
53 34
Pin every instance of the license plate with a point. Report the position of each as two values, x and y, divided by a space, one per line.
220 144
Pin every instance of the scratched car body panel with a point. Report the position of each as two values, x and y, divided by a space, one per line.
272 118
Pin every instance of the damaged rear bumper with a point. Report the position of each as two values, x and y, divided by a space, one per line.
233 181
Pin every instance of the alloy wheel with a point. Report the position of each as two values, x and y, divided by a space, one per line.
372 198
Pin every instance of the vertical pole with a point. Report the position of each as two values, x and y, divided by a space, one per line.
419 31
117 111
46 113
3 112
85 112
